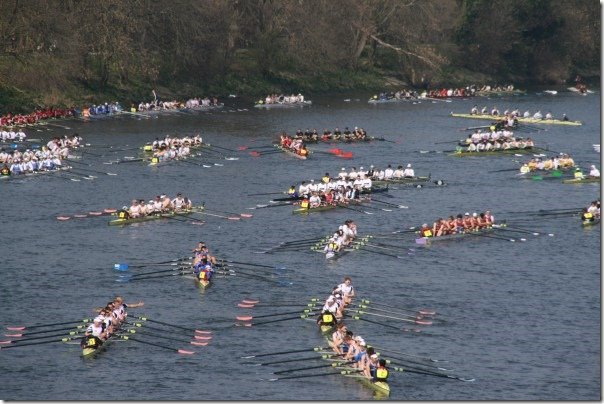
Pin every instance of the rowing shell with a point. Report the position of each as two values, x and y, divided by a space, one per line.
520 119
429 240
283 104
581 180
405 180
323 208
344 140
122 222
587 223
502 152
34 173
291 152
381 388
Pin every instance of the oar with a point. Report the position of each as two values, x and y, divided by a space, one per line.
253 265
517 231
315 349
341 205
196 343
174 262
35 343
172 325
270 206
523 230
504 170
389 204
426 358
180 351
178 332
246 215
182 272
329 365
139 274
44 331
267 193
19 341
250 318
185 218
477 234
420 311
380 253
260 277
427 373
413 330
407 362
220 216
288 198
420 322
220 147
308 358
415 316
343 372
29 327
270 321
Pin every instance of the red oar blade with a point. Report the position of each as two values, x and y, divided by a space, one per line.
245 306
255 154
184 352
197 343
249 301
244 318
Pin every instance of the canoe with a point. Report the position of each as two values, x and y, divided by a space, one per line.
581 181
520 119
587 223
502 152
407 180
291 152
123 222
429 240
283 104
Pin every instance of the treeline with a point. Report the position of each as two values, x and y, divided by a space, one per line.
70 50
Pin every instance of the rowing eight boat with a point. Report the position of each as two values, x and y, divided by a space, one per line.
292 152
429 240
123 222
283 104
520 119
581 180
322 208
501 152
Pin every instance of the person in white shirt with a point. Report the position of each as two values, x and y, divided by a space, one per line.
343 174
352 175
314 200
538 115
178 202
409 172
399 172
303 189
388 172
594 172
366 183
312 187
347 290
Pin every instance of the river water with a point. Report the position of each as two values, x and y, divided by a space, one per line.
522 318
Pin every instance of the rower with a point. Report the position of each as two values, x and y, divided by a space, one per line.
594 209
579 174
166 203
331 248
381 373
347 290
399 172
388 172
425 231
594 172
178 202
337 338
327 318
587 216
409 172
371 364
134 210
315 200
